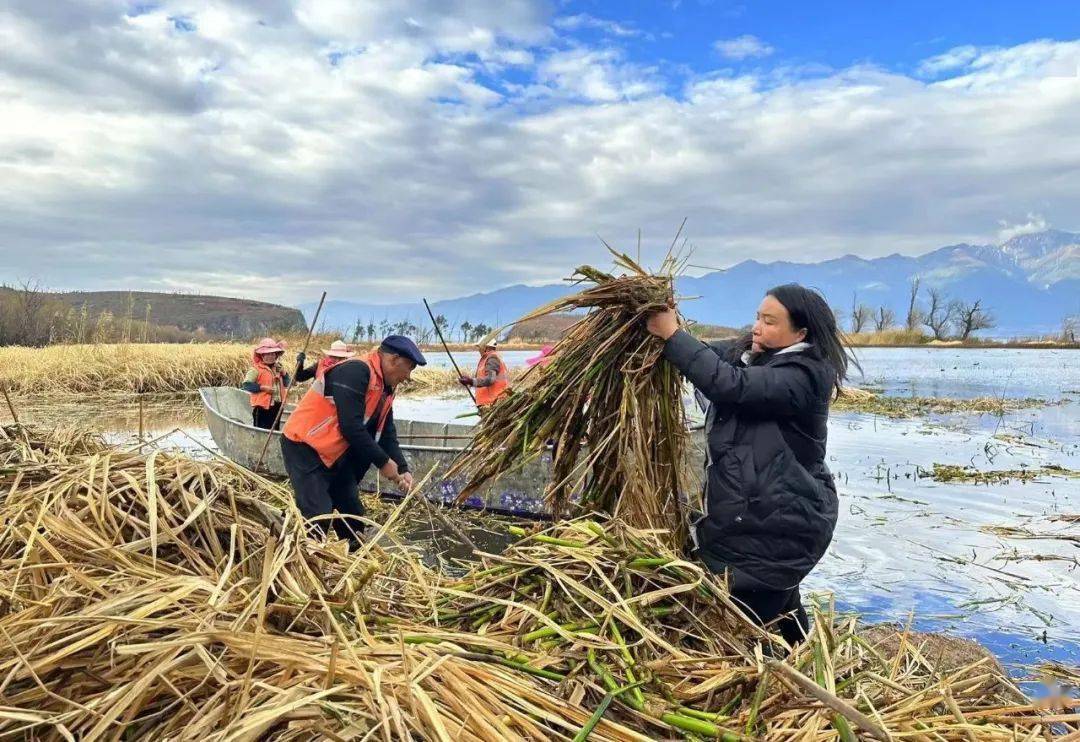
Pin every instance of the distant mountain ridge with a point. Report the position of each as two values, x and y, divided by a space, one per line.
1029 283
218 316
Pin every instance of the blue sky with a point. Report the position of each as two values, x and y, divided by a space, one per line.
834 33
383 151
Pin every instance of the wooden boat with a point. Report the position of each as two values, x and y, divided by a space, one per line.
425 444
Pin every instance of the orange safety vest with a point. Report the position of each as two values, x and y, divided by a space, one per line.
486 395
315 419
325 364
267 377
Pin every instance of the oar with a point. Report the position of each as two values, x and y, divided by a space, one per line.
292 380
446 347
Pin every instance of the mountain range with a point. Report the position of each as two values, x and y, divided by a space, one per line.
1029 284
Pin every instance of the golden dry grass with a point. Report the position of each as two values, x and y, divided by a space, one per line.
136 368
121 368
156 597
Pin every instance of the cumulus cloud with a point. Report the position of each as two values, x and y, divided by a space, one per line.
281 148
595 75
743 47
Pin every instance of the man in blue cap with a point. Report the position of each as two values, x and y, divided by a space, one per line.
343 426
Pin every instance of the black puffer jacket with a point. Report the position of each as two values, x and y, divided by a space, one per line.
770 500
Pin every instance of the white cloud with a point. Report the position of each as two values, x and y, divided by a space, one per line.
595 75
954 59
584 20
1035 223
743 47
276 150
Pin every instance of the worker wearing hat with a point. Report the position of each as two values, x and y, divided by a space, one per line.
266 382
492 380
343 425
335 354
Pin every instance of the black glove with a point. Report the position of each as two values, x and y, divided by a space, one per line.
300 358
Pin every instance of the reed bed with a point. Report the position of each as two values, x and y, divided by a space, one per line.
606 386
875 403
150 368
160 597
130 368
972 475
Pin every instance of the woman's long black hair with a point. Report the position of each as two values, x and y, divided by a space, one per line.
809 311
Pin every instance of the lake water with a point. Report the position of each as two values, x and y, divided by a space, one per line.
925 372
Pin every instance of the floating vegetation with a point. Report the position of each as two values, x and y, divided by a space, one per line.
874 403
971 475
152 597
606 385
1068 533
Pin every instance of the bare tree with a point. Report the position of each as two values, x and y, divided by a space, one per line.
938 314
884 319
860 315
914 316
31 303
971 317
1070 328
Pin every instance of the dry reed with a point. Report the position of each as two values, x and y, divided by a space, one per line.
133 368
160 597
606 385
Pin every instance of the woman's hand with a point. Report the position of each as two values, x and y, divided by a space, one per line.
663 324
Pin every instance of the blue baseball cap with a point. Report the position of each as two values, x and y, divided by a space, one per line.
403 346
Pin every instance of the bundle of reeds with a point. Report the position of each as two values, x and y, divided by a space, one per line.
607 405
162 598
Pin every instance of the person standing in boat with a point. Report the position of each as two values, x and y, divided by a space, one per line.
266 382
338 352
343 425
770 500
492 380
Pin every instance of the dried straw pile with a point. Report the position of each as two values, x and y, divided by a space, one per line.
162 598
605 385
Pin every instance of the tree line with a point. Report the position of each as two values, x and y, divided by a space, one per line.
372 331
940 316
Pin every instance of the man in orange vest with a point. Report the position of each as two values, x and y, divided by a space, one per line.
343 425
266 382
492 379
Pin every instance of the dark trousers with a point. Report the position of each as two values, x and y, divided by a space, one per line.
320 490
264 419
764 606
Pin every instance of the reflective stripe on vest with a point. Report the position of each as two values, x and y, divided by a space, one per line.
267 377
486 395
315 419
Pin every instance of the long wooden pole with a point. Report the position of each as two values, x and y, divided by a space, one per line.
438 331
292 380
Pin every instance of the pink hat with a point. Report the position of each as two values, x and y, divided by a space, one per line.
339 349
269 345
544 358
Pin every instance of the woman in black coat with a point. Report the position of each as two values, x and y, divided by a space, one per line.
770 501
